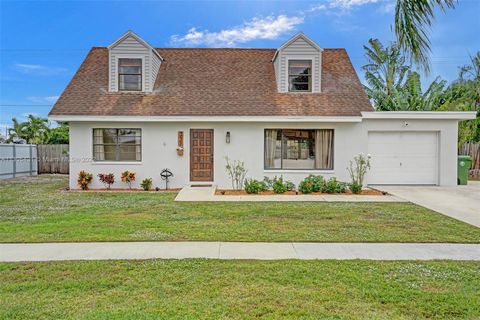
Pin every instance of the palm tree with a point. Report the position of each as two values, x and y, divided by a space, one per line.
393 86
472 70
36 129
385 73
17 132
412 18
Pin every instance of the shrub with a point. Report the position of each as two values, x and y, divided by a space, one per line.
357 170
281 186
290 185
334 186
84 179
255 186
311 184
146 184
128 177
268 182
107 179
236 171
355 187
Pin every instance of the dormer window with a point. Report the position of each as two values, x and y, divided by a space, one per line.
300 75
129 74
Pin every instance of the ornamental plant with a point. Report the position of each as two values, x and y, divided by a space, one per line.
236 171
128 177
255 186
311 184
107 179
84 179
146 184
334 186
357 170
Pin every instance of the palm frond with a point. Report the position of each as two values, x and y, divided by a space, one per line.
412 19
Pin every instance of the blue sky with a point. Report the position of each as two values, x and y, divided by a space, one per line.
42 43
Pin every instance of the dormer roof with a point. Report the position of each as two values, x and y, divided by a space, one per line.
136 37
299 35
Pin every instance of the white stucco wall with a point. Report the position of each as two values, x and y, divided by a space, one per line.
159 142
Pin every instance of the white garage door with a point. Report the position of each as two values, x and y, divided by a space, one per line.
403 157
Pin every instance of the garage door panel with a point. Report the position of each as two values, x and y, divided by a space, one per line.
403 157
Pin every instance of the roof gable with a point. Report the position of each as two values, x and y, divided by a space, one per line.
293 39
131 34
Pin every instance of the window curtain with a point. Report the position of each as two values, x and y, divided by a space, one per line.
99 153
270 146
324 149
138 147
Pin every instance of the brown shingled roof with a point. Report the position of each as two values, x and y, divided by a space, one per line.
214 82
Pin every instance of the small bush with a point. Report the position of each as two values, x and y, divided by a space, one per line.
355 187
146 184
268 182
107 179
255 186
128 177
281 186
311 184
84 179
289 185
334 186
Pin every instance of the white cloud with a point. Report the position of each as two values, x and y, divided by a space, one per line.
349 4
387 7
340 7
268 28
47 99
38 69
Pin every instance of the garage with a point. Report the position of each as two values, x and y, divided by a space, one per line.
401 157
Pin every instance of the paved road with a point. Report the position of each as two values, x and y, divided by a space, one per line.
460 202
236 250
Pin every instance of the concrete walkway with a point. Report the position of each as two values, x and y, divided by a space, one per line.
207 194
236 250
459 202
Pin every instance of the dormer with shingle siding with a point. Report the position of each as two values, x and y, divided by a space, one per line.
298 64
133 64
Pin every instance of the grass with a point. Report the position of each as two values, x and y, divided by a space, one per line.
214 289
35 210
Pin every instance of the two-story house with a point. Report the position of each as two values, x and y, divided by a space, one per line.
292 111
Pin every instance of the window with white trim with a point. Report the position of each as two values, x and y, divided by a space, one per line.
300 75
111 144
129 74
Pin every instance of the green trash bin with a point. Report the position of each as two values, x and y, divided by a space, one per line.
463 165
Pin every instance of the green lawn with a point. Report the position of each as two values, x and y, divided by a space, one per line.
214 289
35 210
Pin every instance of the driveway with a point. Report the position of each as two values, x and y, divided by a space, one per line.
460 202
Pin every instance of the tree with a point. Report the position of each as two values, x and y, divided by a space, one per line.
384 73
36 130
412 18
58 135
17 132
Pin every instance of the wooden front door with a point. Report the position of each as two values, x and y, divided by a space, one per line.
201 154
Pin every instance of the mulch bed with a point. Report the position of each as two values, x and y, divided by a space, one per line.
229 192
174 190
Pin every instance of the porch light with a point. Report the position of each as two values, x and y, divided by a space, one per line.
227 137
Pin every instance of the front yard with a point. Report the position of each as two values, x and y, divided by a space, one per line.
213 289
35 210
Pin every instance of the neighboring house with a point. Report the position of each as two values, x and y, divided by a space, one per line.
292 111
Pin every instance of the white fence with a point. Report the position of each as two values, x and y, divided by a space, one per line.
18 160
